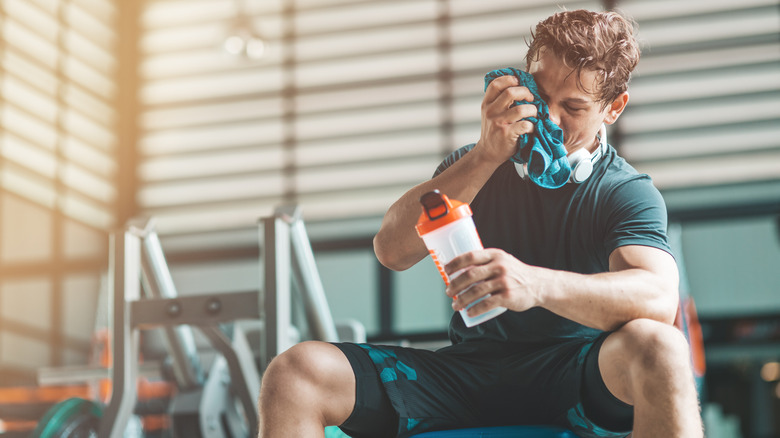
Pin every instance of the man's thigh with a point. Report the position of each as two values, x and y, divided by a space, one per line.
413 390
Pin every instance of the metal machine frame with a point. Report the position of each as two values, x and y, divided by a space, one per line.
137 264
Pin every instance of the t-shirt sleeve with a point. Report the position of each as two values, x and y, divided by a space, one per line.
638 216
452 158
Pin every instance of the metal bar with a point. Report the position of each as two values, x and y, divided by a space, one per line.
180 341
124 273
318 313
385 310
244 377
84 374
276 295
196 310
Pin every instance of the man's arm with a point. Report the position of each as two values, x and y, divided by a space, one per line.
642 283
397 244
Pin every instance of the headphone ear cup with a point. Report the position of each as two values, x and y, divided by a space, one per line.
581 165
520 171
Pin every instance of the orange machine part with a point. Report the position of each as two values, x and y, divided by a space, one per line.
687 313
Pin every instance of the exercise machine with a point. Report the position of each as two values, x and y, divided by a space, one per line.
219 402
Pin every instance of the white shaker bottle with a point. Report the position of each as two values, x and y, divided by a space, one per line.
448 230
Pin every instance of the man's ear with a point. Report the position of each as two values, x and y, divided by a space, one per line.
616 108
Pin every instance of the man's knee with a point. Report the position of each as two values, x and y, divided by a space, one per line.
654 346
302 364
298 358
644 357
308 374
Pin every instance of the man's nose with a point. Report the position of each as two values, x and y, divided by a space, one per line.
555 112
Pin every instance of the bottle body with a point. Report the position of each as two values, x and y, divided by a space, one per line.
450 240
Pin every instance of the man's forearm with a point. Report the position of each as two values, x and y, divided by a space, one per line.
608 300
397 245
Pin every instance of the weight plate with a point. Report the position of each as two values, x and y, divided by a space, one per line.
71 418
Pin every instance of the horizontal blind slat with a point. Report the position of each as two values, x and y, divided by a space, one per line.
58 87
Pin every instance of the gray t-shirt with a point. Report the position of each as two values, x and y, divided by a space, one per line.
573 228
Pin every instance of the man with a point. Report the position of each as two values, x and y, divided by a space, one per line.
584 269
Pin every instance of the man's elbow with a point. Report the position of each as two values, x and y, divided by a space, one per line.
388 257
667 305
664 298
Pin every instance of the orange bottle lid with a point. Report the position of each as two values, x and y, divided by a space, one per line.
438 211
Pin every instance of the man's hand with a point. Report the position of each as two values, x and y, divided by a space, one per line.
492 272
502 122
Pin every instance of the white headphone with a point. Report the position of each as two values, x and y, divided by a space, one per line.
580 161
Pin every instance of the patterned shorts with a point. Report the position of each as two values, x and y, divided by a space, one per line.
403 391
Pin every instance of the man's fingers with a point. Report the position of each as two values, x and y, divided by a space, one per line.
475 293
513 114
478 268
511 95
520 112
505 90
497 86
524 127
478 257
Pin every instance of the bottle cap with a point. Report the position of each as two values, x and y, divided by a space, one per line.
438 211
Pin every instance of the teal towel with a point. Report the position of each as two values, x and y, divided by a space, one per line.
543 150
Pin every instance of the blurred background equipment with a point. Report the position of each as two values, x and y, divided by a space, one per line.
210 392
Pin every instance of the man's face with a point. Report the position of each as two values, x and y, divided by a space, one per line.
573 109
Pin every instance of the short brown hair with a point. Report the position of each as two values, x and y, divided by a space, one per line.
603 42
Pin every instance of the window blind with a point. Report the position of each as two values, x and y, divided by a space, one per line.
58 177
705 100
58 141
354 102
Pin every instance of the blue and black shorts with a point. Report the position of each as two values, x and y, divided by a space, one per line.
402 391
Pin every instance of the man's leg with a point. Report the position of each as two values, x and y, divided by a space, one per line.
304 389
646 364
